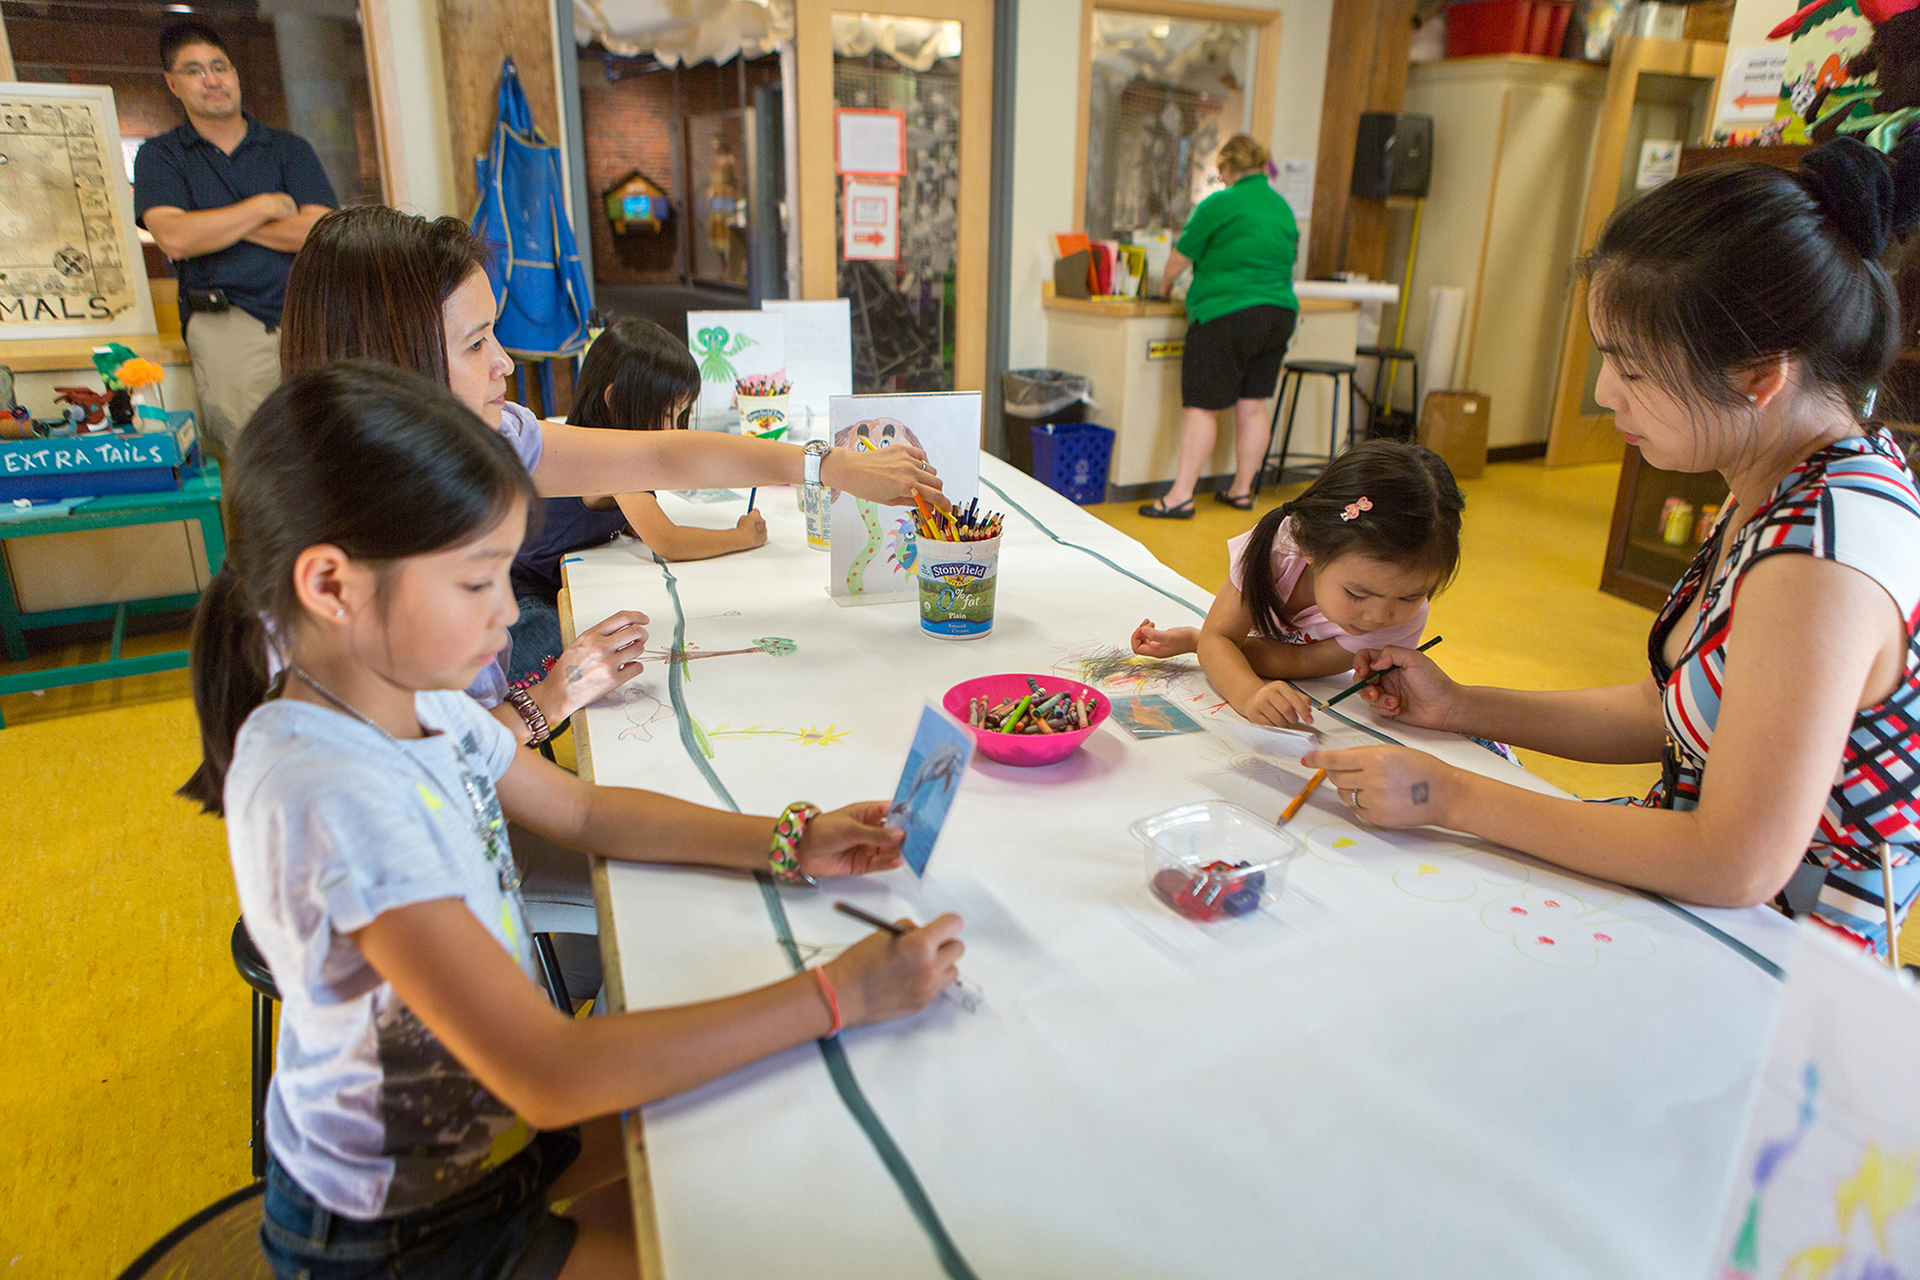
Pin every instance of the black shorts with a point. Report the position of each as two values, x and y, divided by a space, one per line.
1235 357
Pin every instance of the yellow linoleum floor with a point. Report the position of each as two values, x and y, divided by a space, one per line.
123 1083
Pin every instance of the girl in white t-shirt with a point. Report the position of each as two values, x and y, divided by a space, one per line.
429 1102
1345 568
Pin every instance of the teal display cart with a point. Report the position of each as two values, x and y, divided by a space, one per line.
197 498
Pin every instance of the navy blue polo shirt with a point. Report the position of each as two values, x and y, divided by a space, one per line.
182 170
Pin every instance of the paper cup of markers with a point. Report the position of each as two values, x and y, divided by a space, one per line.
1027 719
957 559
763 404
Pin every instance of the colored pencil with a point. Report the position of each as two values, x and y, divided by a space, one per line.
1293 806
867 917
1375 678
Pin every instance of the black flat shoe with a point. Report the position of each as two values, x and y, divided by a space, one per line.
1239 502
1159 510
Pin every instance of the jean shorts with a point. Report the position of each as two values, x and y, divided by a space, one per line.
497 1229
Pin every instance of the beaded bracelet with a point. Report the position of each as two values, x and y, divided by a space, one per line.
783 858
530 712
832 998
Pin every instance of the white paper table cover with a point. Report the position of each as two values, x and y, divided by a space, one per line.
1384 1073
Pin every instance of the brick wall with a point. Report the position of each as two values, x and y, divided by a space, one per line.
121 49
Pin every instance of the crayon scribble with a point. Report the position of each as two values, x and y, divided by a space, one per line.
1107 664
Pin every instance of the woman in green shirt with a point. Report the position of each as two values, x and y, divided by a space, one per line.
1241 310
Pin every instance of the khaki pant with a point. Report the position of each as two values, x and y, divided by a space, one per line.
236 365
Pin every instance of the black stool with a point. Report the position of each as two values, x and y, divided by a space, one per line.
1298 371
253 968
247 959
1386 356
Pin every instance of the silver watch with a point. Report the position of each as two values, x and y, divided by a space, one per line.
816 451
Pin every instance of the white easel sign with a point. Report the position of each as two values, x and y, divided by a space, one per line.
870 220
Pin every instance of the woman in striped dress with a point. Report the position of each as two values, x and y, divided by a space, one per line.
1746 323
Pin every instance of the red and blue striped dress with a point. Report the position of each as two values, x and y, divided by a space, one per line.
1856 503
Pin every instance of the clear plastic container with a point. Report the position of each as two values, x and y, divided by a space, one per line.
1214 860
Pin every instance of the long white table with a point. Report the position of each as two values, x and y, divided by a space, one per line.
1427 1057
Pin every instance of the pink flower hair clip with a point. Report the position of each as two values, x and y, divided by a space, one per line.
1355 508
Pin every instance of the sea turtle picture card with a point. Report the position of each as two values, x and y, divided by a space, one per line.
730 345
875 549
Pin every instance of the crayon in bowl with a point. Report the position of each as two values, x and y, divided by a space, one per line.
958 524
1038 712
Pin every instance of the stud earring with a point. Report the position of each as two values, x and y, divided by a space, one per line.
341 613
1753 399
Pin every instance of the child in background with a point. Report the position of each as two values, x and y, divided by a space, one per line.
429 1101
636 377
1346 567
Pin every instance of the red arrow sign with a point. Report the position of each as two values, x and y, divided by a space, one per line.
1755 99
870 237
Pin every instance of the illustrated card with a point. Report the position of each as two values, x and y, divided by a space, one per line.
936 763
875 550
1151 715
729 345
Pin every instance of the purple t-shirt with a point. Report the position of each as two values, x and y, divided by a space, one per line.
523 432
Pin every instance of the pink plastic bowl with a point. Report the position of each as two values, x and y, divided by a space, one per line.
1023 748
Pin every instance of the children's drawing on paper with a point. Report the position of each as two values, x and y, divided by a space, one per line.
903 546
772 646
1111 666
643 709
811 736
869 436
1550 923
713 348
1744 1258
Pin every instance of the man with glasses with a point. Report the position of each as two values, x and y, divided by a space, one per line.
230 200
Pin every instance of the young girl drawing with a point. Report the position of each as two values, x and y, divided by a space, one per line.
636 377
1346 567
429 1102
375 283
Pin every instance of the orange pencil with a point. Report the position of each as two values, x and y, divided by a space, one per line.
1319 776
926 514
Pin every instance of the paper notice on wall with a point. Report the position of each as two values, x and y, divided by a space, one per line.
870 219
1295 182
1750 86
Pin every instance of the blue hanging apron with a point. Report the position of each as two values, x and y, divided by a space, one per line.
538 284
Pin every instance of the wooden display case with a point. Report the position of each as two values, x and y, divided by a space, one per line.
1641 565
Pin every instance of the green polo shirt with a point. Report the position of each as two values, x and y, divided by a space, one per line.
1242 242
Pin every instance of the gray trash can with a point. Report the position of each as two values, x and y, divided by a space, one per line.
1035 396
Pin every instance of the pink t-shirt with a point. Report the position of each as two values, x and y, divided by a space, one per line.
1310 624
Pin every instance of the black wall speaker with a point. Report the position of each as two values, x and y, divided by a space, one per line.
1393 156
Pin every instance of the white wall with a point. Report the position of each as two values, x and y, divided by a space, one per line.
1752 19
425 162
1047 107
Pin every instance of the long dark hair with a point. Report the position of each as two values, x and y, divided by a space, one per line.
369 284
1405 511
375 460
1735 264
649 371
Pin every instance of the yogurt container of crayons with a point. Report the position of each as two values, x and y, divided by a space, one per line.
958 564
1027 719
1215 861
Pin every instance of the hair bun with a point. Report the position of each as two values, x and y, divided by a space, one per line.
1855 187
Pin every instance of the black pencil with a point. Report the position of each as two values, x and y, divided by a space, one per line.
867 917
1375 678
